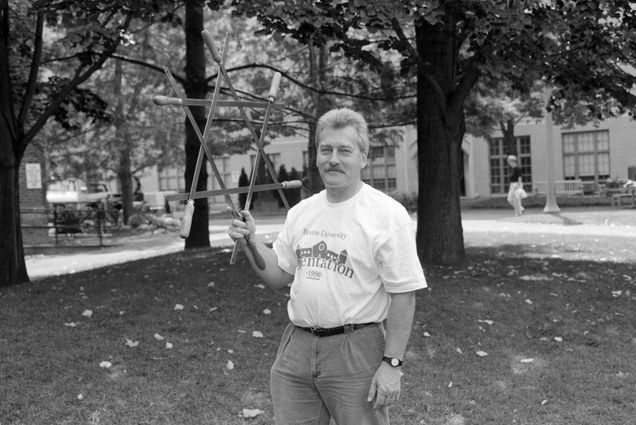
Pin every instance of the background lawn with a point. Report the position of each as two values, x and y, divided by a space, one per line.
535 330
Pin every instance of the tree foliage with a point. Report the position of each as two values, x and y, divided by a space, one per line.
47 51
448 46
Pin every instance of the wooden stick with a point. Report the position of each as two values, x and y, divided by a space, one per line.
161 100
271 98
207 38
209 154
290 184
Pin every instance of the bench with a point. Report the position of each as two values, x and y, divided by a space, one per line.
628 195
561 187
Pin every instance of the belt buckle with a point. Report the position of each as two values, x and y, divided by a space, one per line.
349 328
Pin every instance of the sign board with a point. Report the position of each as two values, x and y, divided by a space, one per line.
33 176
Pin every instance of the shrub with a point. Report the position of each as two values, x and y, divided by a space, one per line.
409 200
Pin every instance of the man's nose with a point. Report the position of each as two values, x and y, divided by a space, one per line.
333 159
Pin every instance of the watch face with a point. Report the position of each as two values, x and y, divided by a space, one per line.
395 362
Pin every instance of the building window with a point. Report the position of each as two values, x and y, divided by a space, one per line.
380 169
586 155
223 166
499 169
172 179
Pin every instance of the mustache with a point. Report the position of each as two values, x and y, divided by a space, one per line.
338 169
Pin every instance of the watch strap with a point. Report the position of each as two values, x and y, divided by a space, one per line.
393 361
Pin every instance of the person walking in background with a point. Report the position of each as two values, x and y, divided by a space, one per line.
515 192
349 253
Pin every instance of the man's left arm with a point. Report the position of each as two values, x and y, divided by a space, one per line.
385 387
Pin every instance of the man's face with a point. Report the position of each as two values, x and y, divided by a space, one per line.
340 161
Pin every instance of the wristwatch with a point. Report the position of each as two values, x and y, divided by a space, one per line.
393 361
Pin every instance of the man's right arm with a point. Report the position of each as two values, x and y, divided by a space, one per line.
244 233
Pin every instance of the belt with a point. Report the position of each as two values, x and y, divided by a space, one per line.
337 330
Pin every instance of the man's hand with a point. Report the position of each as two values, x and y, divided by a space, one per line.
242 229
385 387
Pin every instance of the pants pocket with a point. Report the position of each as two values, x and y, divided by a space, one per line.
284 340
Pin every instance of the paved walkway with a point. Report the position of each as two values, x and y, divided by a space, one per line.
588 221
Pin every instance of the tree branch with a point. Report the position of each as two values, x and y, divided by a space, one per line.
78 79
6 104
397 28
293 80
465 85
33 72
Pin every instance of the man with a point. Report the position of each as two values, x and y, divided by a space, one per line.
350 255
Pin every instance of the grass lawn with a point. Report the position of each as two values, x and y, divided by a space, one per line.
514 336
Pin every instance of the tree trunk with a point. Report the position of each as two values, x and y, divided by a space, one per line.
196 87
125 180
12 265
318 57
439 227
121 134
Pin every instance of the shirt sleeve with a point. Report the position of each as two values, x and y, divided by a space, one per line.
400 267
284 251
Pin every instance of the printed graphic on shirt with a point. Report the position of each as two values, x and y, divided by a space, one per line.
318 260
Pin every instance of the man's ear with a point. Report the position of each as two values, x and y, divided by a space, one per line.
363 163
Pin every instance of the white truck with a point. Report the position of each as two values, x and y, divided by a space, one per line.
74 192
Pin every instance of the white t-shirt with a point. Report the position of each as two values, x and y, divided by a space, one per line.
347 257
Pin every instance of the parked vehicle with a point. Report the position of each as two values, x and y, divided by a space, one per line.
83 208
75 192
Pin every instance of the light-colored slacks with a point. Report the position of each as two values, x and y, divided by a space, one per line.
316 378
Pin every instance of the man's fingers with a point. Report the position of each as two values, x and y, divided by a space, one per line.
372 391
246 214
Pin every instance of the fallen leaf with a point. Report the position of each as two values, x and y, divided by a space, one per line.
267 311
488 322
481 353
529 360
229 365
131 343
70 324
87 313
80 396
211 285
105 364
159 337
535 277
426 334
558 339
168 345
257 334
529 302
251 413
260 286
543 402
178 307
617 294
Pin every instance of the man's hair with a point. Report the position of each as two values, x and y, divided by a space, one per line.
341 118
